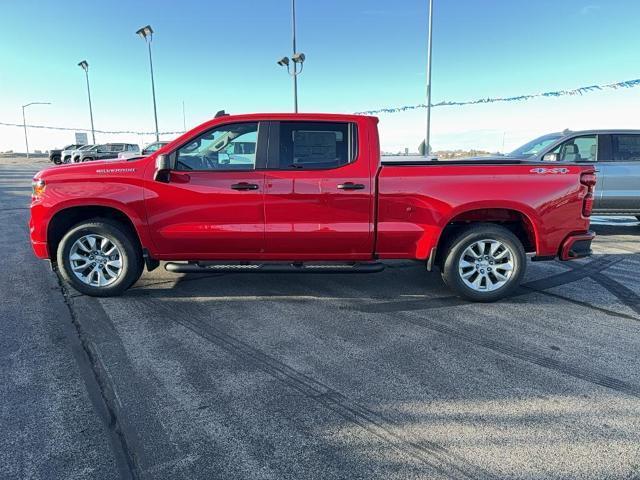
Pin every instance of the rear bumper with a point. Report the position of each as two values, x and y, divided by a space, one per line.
577 246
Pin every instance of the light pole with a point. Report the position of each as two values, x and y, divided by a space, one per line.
24 122
147 34
85 66
427 146
296 58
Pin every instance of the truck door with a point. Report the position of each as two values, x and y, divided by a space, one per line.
589 149
620 175
318 192
213 206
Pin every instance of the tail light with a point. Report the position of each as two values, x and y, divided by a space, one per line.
587 205
589 181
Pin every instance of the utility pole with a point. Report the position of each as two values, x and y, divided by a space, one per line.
296 58
295 65
24 122
147 34
85 66
427 146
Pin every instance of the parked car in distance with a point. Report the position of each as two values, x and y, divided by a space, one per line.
75 154
148 150
55 155
108 151
308 193
614 153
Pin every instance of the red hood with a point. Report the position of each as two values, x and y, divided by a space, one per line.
85 168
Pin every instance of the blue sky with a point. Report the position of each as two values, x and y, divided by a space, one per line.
360 55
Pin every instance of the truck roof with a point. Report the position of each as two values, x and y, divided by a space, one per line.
343 117
599 132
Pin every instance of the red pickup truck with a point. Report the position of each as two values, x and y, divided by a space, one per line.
305 193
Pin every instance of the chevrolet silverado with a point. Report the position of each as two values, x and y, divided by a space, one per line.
306 193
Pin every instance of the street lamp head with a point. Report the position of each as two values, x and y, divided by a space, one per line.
284 62
145 32
298 58
84 65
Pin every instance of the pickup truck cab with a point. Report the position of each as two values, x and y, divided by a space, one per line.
614 153
305 193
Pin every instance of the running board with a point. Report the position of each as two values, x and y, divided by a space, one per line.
208 267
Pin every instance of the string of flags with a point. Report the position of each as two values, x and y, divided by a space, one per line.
519 98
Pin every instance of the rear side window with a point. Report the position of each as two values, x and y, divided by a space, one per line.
626 148
312 145
578 149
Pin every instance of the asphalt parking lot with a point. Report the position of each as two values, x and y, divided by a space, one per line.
316 376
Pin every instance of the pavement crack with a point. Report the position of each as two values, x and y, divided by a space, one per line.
101 392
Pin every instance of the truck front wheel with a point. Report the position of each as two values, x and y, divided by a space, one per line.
484 263
100 258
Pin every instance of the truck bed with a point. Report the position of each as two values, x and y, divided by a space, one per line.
417 200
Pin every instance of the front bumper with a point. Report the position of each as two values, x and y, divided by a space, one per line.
577 246
38 242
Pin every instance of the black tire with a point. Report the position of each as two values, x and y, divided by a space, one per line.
56 159
638 217
467 237
121 237
87 159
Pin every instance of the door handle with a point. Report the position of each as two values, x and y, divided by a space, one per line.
244 186
351 186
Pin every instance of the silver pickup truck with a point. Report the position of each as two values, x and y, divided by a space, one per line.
615 154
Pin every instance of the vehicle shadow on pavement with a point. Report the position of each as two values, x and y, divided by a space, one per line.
599 284
613 229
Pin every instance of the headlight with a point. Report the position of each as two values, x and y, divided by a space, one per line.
37 187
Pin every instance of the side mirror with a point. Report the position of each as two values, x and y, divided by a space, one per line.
164 165
550 157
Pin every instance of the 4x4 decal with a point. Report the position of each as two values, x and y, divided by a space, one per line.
544 170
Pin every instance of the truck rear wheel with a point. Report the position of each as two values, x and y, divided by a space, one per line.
56 159
100 258
484 263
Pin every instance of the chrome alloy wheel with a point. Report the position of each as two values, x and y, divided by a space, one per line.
95 260
486 265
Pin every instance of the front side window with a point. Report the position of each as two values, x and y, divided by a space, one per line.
578 149
535 146
152 148
626 148
315 145
228 147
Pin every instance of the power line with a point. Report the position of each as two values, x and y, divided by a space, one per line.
116 132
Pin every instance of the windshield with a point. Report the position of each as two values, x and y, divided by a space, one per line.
535 146
85 147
